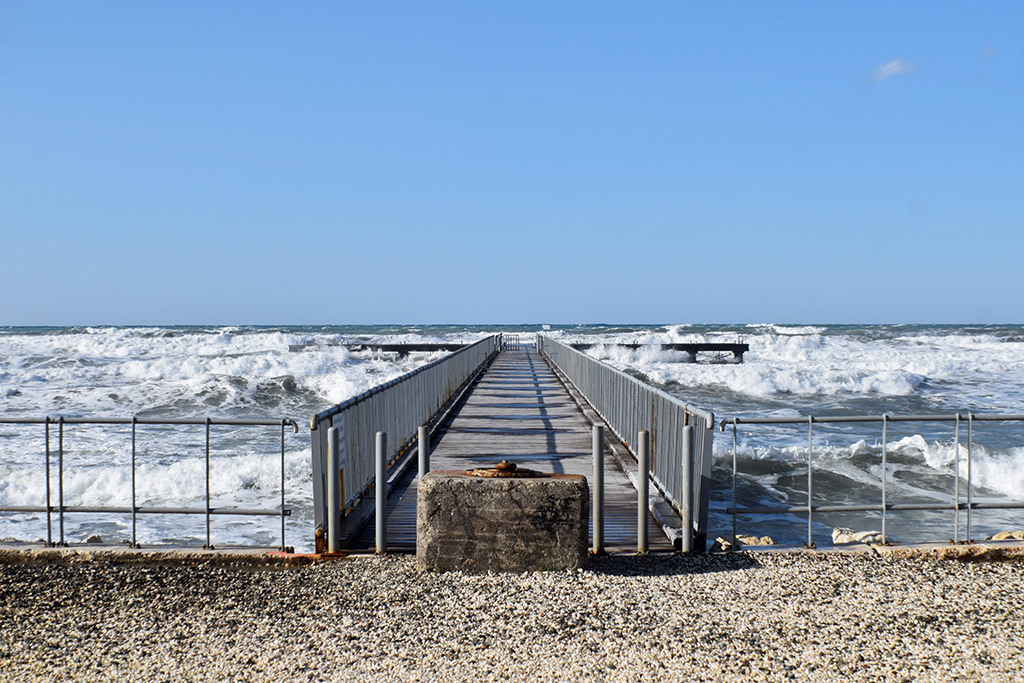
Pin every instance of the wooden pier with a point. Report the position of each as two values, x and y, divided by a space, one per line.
518 410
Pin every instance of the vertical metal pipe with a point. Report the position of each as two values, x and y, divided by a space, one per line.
208 544
424 450
334 493
956 482
885 473
382 493
810 475
60 476
135 540
49 522
283 546
597 448
686 500
643 448
734 479
970 458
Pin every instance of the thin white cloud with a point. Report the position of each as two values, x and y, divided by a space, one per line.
897 67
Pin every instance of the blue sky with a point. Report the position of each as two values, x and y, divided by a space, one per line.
273 163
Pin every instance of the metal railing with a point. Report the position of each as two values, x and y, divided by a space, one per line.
60 509
629 406
884 506
511 342
397 408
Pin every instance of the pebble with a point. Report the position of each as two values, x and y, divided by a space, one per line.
737 616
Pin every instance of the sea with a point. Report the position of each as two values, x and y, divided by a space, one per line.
295 371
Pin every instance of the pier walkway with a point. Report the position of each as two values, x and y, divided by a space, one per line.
518 410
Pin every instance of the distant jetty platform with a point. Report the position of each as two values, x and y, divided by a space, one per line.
691 349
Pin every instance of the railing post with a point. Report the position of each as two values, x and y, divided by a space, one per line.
334 493
382 492
810 479
284 548
49 504
424 448
598 504
885 472
970 458
135 543
734 437
686 501
644 465
208 543
956 482
60 476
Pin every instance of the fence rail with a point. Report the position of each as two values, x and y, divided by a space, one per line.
134 509
397 408
629 406
958 419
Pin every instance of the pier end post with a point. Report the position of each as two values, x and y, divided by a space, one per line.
381 485
334 492
644 465
598 500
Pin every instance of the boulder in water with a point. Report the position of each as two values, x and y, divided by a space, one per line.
842 535
755 540
727 544
1007 536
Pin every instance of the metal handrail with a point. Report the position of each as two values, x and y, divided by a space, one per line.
398 408
61 509
629 406
885 506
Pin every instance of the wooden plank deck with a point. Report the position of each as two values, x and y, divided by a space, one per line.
518 411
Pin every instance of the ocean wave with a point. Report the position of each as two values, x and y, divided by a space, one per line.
993 470
295 372
136 370
788 329
988 372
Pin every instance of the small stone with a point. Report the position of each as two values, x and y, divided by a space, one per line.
721 545
95 538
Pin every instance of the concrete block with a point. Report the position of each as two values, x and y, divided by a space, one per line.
480 524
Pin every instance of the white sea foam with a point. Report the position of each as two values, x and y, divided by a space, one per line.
787 329
776 366
124 371
987 372
993 470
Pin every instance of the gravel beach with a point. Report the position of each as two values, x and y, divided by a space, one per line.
740 616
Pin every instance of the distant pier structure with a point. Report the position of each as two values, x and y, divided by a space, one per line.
691 349
406 349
